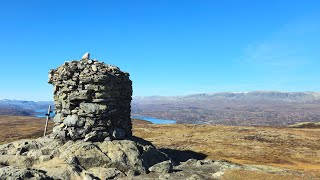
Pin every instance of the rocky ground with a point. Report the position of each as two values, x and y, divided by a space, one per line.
195 151
295 149
46 158
135 158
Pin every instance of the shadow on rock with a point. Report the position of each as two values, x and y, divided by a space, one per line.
140 140
178 156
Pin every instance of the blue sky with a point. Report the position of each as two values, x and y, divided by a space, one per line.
173 47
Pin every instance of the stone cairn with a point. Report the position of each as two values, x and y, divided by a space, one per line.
92 101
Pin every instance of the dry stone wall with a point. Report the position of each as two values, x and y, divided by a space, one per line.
92 101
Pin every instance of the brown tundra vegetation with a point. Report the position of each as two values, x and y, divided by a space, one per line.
295 149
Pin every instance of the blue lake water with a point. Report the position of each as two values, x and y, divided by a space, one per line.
41 113
155 120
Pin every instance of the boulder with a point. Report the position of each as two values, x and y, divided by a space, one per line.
105 173
22 173
75 159
162 167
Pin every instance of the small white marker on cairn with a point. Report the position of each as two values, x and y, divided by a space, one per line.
86 56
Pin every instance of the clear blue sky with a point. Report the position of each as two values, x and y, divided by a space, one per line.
170 47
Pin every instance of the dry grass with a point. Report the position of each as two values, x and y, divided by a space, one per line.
20 127
240 175
295 149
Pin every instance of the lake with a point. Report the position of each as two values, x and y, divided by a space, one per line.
41 114
155 120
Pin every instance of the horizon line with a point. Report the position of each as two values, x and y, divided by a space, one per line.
189 94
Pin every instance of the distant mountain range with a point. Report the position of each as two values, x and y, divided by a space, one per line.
21 107
229 108
298 97
233 108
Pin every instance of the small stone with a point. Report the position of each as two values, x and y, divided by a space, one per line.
86 56
92 108
89 176
58 128
191 162
199 163
75 111
73 161
217 175
106 173
57 118
95 136
118 133
164 176
98 100
81 122
132 173
74 133
107 139
71 120
163 167
94 68
194 177
79 95
44 158
61 134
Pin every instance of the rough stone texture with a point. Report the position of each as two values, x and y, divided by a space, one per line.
163 167
92 101
22 173
55 159
47 158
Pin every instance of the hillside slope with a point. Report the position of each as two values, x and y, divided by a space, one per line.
21 107
295 149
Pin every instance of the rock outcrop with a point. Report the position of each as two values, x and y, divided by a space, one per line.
92 101
130 159
54 159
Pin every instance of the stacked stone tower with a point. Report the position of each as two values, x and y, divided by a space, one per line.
92 101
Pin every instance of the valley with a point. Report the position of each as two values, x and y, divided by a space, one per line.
259 108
